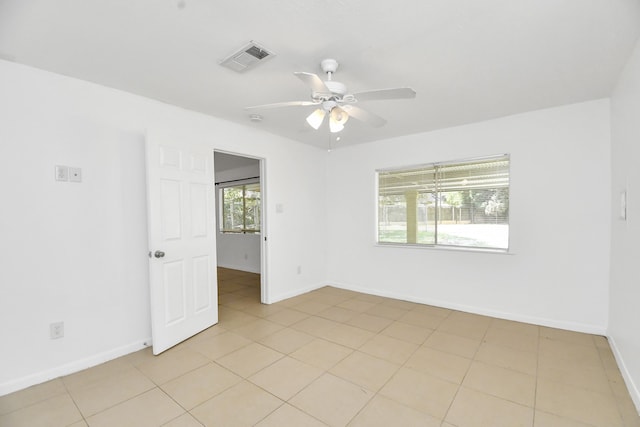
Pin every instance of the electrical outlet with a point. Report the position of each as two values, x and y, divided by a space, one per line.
299 269
56 330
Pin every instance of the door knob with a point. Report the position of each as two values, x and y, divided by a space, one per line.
158 254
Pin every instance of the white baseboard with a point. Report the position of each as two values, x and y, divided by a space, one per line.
552 323
247 268
70 368
633 388
275 298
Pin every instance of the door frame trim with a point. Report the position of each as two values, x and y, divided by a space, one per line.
264 283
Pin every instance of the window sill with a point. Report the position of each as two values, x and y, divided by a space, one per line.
444 248
239 232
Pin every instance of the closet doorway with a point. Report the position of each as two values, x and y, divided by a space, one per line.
240 234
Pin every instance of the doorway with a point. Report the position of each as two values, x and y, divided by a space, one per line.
240 219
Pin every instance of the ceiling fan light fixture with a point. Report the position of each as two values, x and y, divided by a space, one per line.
339 115
331 98
316 118
335 126
337 118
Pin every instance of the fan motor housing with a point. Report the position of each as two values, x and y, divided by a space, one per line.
336 88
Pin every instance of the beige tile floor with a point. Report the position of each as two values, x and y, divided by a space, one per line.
341 358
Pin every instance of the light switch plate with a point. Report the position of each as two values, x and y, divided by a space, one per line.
56 330
75 175
62 173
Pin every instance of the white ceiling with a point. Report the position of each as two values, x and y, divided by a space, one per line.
468 60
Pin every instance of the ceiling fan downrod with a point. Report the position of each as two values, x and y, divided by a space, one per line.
329 66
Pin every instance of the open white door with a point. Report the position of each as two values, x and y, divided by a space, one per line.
182 249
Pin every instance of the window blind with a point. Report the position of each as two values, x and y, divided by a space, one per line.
464 203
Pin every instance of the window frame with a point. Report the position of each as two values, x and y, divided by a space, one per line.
244 230
437 190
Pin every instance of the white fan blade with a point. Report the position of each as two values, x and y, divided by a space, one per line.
283 104
396 93
313 81
364 116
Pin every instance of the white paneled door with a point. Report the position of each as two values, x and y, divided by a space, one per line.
182 247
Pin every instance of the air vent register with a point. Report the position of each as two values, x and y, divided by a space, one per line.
247 57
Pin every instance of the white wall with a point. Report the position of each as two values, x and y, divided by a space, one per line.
557 271
624 316
239 251
77 252
236 250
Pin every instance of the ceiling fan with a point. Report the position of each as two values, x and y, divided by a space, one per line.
333 100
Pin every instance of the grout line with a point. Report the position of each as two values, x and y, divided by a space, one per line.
338 301
74 402
604 369
482 340
43 399
535 389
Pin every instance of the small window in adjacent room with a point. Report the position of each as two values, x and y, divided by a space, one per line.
241 209
453 204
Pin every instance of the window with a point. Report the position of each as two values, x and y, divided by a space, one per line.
241 209
461 204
